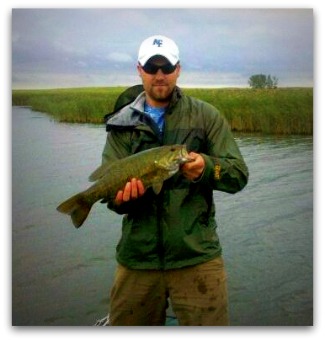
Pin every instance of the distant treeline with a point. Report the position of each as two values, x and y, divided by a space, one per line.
267 111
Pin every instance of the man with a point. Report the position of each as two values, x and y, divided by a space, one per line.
169 246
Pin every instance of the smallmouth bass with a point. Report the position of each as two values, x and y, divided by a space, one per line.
152 167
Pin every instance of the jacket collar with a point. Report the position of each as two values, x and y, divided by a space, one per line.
133 115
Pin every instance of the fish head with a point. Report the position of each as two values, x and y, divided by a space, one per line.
171 157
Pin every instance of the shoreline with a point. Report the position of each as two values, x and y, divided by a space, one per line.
281 111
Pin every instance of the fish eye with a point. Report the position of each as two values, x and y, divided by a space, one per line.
172 149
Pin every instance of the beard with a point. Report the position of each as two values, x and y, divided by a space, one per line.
160 92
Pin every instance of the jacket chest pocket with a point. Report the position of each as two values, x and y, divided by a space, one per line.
193 138
195 141
142 140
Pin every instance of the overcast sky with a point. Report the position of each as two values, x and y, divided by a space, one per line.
218 47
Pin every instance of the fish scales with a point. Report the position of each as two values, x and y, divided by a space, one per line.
152 167
120 172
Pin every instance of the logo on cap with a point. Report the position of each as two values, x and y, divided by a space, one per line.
158 42
158 45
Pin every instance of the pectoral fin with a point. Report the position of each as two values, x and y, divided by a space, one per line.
157 186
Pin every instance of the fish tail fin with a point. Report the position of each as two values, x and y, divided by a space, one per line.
77 207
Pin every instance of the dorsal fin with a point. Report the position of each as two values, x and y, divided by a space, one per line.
99 172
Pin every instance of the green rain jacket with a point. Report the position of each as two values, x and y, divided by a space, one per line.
176 228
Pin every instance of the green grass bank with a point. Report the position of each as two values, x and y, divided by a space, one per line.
267 111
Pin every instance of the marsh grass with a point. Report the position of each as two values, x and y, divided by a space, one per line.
275 111
76 105
272 111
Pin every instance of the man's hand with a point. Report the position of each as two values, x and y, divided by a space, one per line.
132 190
194 169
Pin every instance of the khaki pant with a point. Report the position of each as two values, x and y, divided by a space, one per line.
198 295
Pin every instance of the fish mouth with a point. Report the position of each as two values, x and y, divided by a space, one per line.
184 156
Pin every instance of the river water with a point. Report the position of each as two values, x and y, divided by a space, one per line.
61 276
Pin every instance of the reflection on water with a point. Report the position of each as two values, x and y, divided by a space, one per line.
62 276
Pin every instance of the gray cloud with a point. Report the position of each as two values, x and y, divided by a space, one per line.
119 57
56 47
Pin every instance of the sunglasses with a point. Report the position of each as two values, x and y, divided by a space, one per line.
152 69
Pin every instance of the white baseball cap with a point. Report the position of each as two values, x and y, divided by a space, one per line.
158 45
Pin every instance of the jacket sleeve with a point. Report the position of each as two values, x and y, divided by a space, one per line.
225 167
